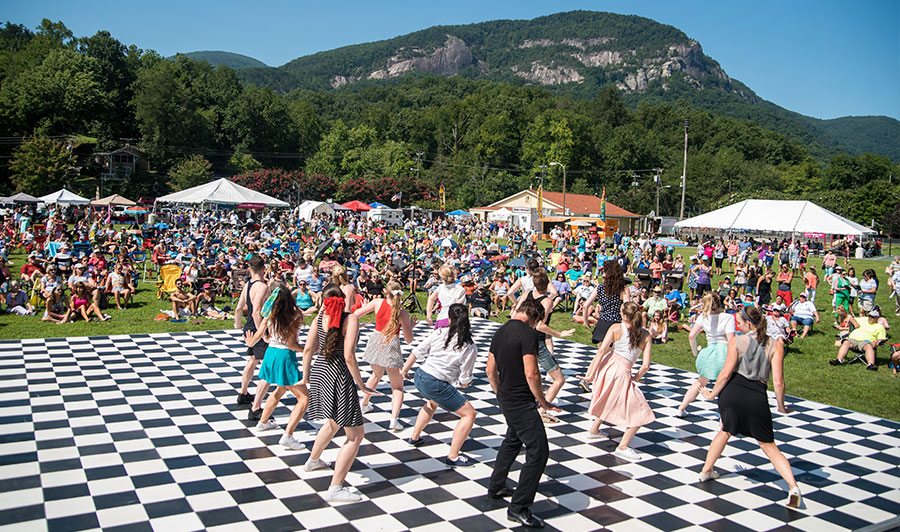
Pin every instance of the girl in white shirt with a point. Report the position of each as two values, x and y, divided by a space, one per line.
449 357
446 294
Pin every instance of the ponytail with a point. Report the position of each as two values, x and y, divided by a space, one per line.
754 317
460 327
392 294
632 312
333 307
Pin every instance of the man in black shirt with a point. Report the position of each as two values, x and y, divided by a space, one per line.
512 369
480 302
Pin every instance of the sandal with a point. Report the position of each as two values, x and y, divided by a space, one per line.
549 419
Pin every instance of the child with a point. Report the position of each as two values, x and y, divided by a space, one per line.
658 328
279 365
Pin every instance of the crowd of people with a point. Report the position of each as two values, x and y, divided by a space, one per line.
300 288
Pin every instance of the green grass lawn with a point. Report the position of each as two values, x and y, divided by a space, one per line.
807 372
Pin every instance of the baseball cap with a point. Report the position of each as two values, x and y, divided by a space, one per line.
803 294
206 286
874 313
657 288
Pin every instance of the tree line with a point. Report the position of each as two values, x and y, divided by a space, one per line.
482 140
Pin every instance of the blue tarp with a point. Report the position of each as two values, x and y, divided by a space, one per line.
376 205
459 213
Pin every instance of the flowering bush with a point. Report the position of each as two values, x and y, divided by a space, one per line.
288 184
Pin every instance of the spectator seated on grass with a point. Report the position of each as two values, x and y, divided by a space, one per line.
17 300
207 304
82 304
480 302
654 303
184 303
865 337
32 270
119 286
55 305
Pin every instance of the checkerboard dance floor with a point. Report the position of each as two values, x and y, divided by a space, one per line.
142 432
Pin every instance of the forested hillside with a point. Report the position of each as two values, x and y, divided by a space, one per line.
62 98
578 54
228 59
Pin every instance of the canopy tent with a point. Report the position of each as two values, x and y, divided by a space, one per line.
784 216
338 207
310 208
22 197
5 200
461 213
114 200
64 197
376 205
500 214
357 206
222 191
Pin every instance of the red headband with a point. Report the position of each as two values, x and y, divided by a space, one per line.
334 307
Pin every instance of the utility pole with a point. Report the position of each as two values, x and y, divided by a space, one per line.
564 184
687 123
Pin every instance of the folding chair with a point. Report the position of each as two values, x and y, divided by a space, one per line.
168 275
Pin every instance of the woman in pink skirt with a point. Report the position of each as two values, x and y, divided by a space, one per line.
616 398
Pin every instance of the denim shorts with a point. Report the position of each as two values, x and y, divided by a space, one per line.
441 392
806 322
545 358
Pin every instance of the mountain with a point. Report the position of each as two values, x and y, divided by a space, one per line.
229 59
578 53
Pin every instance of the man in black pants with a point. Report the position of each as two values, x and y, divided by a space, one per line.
512 369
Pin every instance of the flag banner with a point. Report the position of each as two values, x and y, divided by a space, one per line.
603 205
396 196
443 198
540 201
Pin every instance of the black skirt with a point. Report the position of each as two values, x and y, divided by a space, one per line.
744 408
600 330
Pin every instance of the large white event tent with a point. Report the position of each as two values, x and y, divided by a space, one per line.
64 197
775 216
310 208
222 191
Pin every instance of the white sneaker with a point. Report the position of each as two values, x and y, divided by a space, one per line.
599 435
366 408
794 498
628 454
290 442
712 475
680 413
314 464
395 425
268 425
341 494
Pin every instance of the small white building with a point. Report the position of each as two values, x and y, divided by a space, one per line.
392 217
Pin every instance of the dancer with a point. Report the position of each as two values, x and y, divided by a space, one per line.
545 339
446 294
610 294
616 398
719 329
251 301
279 366
743 403
448 356
383 348
340 279
512 369
333 379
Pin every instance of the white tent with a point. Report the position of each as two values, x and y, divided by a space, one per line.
310 208
784 216
222 191
500 214
64 197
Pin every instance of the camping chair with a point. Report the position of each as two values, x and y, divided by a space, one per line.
168 275
860 354
238 279
81 250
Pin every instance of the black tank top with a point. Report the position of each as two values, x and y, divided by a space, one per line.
250 324
541 336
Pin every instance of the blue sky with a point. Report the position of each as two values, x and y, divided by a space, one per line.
825 58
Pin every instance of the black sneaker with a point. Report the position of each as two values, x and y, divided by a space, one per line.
461 461
836 362
244 399
254 415
872 367
502 494
415 443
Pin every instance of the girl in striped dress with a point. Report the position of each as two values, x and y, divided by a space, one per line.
383 348
333 380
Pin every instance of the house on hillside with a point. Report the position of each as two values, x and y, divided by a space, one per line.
125 161
578 207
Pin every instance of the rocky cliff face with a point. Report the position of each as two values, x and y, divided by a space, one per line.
446 60
596 52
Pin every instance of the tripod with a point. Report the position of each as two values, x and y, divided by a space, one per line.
411 303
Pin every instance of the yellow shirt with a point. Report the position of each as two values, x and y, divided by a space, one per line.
868 332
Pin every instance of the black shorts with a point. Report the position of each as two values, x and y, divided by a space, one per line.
718 262
258 351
